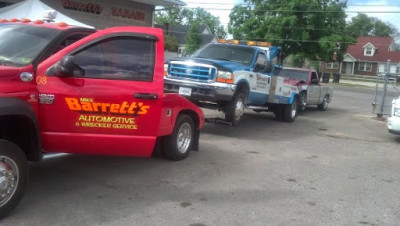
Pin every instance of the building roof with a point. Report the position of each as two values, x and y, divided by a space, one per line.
180 32
162 2
382 53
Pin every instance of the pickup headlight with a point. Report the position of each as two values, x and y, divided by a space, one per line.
225 77
396 112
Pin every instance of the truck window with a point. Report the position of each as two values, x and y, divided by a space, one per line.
121 58
294 74
260 62
227 52
21 44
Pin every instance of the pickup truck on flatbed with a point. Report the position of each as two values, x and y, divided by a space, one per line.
77 90
311 91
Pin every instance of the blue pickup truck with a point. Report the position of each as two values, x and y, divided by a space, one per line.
232 77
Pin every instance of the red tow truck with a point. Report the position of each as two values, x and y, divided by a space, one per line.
78 90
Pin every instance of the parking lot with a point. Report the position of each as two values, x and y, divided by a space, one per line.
339 167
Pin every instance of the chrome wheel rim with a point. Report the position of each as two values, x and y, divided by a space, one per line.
9 176
239 110
325 103
294 109
184 138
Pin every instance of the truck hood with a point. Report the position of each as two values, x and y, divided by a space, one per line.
220 64
6 71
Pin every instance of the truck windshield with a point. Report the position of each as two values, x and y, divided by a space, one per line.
226 52
20 44
294 74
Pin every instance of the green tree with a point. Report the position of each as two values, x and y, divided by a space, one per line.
171 43
170 15
362 25
193 39
307 27
178 15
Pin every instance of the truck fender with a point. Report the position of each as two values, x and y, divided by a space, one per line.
243 84
19 124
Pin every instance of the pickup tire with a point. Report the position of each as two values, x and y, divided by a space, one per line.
13 176
278 111
290 111
302 101
234 110
178 145
324 105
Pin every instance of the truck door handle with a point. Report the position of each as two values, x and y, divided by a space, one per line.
146 96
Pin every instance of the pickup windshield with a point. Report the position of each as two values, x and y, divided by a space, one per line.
20 44
226 52
294 74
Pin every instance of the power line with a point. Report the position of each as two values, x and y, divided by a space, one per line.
268 40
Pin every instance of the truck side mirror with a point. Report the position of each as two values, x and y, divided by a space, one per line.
258 67
65 67
268 67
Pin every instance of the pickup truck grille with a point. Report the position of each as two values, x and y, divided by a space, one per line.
198 72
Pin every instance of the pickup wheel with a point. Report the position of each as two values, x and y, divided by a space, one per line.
324 105
302 101
235 109
290 111
13 176
178 145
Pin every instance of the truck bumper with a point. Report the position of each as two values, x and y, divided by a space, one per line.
213 92
393 124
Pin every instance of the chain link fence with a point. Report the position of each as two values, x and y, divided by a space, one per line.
386 90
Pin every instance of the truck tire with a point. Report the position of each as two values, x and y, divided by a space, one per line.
278 111
13 176
324 105
178 145
290 111
302 102
234 110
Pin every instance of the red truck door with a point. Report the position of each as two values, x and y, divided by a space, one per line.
103 94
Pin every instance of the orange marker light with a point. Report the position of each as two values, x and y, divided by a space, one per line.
14 20
223 41
62 24
3 21
38 22
25 20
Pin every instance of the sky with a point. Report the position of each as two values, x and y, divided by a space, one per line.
373 8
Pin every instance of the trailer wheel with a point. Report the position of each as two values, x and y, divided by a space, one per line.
302 102
178 145
235 109
324 105
13 176
290 111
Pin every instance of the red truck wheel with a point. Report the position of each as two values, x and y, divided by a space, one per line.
13 176
178 145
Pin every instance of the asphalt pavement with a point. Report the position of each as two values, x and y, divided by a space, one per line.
338 167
